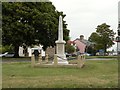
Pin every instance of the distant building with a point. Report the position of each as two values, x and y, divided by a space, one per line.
81 44
84 41
50 51
31 50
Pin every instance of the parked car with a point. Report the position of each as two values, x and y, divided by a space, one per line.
68 55
2 55
74 55
87 54
9 55
115 54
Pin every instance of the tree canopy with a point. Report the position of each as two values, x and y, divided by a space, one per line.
26 22
103 37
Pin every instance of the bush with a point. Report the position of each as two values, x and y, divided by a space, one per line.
6 48
69 48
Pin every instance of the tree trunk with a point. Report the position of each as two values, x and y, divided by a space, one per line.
16 50
105 48
25 51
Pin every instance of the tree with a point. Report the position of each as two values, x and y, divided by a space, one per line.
91 50
95 38
16 30
69 48
102 37
24 23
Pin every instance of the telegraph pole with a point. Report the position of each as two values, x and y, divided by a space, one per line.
118 44
118 31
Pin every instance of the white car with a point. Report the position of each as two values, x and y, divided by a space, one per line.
115 54
87 54
1 55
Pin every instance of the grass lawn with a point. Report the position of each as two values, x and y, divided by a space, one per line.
96 74
109 57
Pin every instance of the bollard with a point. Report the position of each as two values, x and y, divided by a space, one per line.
46 58
55 59
40 59
81 59
32 60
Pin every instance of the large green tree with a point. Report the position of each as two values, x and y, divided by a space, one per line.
30 21
103 37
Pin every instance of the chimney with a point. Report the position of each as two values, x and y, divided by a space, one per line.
81 37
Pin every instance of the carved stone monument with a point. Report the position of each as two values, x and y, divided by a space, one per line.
60 44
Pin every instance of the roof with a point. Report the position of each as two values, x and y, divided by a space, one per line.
86 42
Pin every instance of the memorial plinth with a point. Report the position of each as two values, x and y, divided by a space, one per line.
60 44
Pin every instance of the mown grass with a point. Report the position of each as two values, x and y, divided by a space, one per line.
96 74
111 57
15 59
28 58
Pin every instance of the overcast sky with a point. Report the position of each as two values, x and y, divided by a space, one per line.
83 16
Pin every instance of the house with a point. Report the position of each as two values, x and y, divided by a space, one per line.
81 44
31 50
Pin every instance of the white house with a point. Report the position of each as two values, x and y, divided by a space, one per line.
31 50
